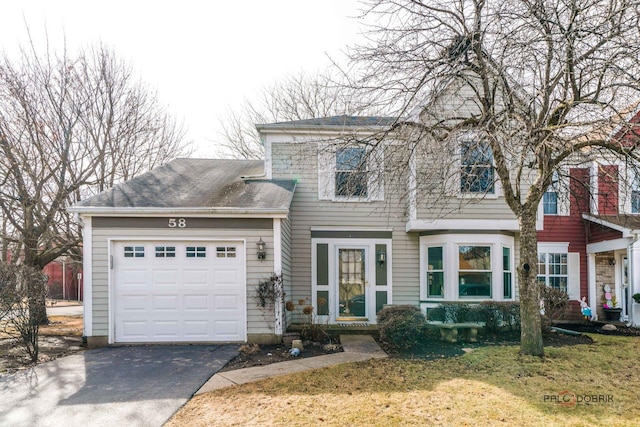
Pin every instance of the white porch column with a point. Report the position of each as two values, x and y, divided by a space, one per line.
591 269
277 268
634 281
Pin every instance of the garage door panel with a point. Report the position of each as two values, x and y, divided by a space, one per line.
135 330
165 277
133 277
195 302
165 302
196 295
197 329
135 303
193 277
166 329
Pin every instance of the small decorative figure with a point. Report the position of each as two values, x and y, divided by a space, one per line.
585 309
295 352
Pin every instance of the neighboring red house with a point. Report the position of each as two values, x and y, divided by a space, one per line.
65 279
591 235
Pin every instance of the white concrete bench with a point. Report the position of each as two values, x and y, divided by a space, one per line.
450 331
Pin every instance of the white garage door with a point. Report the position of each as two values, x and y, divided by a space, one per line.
171 291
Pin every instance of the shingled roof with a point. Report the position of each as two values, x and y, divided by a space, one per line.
333 122
201 185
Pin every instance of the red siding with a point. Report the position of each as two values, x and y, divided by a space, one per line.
600 233
608 190
571 228
63 286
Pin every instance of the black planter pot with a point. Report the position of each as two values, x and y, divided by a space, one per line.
612 314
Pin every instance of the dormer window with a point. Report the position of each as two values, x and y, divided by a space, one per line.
476 168
351 172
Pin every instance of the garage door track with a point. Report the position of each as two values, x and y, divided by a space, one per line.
115 386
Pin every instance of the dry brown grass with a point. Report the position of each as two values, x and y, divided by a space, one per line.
489 386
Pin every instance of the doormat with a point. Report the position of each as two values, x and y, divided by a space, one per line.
353 324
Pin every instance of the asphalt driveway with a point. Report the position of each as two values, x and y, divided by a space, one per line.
114 386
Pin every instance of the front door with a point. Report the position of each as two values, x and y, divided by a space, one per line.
352 284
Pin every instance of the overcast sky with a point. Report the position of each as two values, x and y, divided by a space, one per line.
203 57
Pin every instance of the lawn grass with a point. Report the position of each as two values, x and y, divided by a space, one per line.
488 386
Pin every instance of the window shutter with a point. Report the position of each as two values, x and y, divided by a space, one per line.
573 279
376 174
326 172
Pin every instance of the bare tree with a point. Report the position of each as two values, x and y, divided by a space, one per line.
297 97
71 127
517 89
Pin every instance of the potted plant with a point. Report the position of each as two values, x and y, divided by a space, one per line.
636 297
610 306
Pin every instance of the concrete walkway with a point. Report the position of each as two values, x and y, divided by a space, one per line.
356 348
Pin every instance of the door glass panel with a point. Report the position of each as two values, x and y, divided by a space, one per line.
351 282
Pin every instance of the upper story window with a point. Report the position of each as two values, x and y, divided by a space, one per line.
351 174
550 197
476 167
635 194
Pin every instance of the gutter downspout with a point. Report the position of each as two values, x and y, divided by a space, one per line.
632 272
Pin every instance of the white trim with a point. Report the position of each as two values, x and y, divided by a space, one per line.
277 268
450 243
609 245
326 161
413 188
626 232
553 247
277 245
591 269
87 276
195 212
369 244
329 228
464 224
110 291
268 159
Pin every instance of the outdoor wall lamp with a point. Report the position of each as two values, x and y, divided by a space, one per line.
382 257
262 249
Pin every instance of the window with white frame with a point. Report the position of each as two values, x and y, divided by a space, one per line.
351 175
435 272
635 193
467 267
474 271
507 275
550 197
476 167
553 270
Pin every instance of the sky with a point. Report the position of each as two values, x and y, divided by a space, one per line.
203 57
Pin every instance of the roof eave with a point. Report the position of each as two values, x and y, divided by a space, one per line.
195 211
617 227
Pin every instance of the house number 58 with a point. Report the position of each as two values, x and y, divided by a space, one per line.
180 223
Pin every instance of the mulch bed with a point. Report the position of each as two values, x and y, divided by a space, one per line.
260 355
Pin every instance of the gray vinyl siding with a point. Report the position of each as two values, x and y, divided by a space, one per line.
258 320
299 161
286 265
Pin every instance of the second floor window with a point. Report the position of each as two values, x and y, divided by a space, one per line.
351 172
550 197
476 168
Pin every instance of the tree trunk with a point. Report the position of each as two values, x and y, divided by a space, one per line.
531 329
